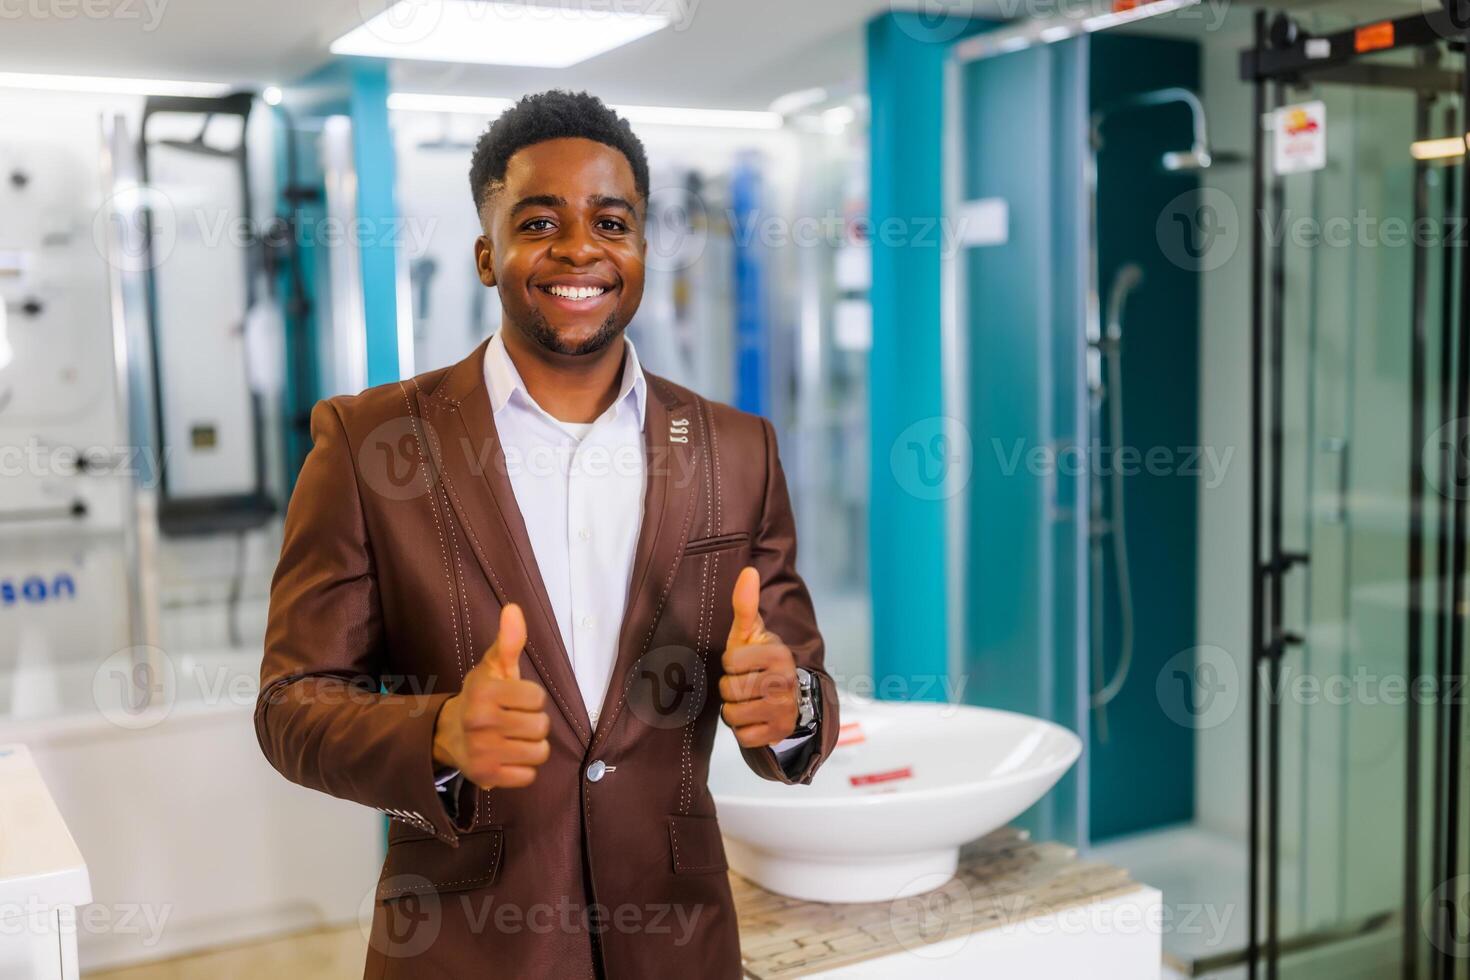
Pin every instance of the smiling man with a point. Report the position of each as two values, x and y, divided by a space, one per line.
515 596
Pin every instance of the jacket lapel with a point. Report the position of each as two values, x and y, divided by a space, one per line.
472 467
672 478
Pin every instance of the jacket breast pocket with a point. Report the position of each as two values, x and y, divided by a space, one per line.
428 865
695 845
720 542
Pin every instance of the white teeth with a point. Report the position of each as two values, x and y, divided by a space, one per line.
576 292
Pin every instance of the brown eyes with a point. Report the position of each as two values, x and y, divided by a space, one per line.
612 225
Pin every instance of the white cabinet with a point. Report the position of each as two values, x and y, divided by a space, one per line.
43 879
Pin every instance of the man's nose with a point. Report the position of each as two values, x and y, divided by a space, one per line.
576 246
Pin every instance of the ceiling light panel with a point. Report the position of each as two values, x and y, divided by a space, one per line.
497 33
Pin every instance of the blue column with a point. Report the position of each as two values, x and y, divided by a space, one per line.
752 324
372 146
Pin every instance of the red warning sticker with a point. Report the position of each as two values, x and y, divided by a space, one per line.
891 775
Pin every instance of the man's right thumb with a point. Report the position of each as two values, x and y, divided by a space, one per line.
509 642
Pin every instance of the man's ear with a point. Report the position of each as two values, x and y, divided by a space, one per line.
485 260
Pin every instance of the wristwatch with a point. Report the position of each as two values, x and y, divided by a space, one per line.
808 704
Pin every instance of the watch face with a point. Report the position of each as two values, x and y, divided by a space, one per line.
806 715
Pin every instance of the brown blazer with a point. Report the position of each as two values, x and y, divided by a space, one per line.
402 541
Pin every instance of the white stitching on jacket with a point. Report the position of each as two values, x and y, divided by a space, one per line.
658 610
418 442
465 600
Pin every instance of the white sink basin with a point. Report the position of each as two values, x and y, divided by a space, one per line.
886 814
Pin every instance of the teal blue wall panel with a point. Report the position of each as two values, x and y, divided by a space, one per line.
1143 772
906 403
358 88
372 146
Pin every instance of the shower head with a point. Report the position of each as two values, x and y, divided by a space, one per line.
1197 157
1176 161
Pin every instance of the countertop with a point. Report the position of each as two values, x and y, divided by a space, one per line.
1003 879
40 865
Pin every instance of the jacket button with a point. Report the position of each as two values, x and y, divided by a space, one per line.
596 771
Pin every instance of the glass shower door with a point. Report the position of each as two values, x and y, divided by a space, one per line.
1360 251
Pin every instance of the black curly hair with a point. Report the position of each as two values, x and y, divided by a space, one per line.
554 114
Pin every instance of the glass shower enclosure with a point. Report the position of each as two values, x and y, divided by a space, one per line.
1359 390
1344 849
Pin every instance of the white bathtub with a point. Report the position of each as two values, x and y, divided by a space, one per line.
192 839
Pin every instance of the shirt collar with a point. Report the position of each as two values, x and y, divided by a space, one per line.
503 380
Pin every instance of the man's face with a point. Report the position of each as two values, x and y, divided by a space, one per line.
564 244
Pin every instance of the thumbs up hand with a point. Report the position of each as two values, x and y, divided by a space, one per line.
759 687
494 731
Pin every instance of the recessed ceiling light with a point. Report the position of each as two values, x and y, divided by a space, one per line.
111 86
496 33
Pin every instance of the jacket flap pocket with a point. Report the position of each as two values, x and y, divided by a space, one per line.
701 546
417 867
696 845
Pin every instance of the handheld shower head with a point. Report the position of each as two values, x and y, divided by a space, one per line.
1127 279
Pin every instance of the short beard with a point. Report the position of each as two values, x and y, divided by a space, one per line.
540 331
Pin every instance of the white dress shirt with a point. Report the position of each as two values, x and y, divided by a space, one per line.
579 488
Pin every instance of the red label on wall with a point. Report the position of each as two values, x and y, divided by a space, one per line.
850 733
1373 37
882 777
